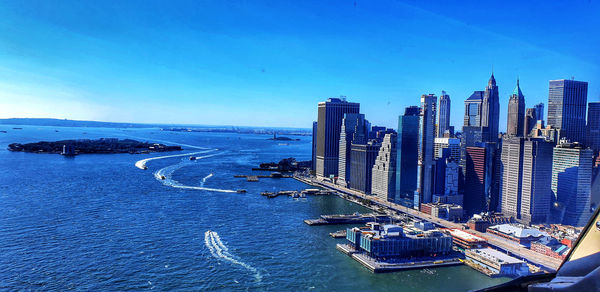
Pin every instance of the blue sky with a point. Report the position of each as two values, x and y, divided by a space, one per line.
268 63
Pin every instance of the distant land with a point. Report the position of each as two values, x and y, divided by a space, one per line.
165 127
87 146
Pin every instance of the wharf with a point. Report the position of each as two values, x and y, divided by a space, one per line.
376 266
256 177
348 219
338 234
296 194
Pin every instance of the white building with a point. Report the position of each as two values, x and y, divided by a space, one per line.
384 171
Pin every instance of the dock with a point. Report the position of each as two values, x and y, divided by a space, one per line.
376 266
297 194
348 219
338 234
256 177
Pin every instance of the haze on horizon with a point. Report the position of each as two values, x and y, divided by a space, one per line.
268 63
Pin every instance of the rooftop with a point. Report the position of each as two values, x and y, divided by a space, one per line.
496 256
465 235
518 231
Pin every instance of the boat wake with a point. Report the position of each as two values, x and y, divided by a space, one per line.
141 164
165 174
220 251
205 178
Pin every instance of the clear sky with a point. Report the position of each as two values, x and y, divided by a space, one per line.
268 63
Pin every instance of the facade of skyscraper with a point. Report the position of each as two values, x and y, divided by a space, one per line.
536 197
329 124
476 180
473 109
593 126
443 114
516 113
539 111
362 160
426 139
350 124
408 135
384 170
453 144
490 111
314 147
526 177
567 101
530 121
571 183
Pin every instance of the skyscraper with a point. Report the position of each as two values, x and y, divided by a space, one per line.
426 139
452 144
527 165
490 111
516 113
530 121
350 124
476 180
314 147
567 100
571 183
408 135
362 161
384 170
329 124
593 126
539 111
473 109
443 114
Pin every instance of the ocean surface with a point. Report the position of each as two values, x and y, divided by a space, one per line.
98 223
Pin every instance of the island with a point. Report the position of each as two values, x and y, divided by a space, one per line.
88 146
286 164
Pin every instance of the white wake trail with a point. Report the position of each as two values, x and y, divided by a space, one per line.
221 251
208 244
205 178
141 164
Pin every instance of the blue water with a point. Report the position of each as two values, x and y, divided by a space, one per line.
98 223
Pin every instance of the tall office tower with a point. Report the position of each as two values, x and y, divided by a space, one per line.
539 111
530 121
377 132
516 113
567 100
408 135
571 183
445 183
362 160
473 109
475 180
443 114
490 111
314 147
329 124
384 171
453 144
593 126
536 197
426 139
350 124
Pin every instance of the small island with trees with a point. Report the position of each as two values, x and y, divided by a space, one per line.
87 146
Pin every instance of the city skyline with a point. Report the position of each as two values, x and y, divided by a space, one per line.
192 63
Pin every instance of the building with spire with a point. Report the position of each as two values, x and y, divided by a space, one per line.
443 114
490 111
516 113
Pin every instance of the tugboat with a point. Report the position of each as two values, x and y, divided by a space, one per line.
241 191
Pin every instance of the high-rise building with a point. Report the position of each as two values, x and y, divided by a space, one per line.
362 160
453 144
593 126
443 115
516 113
384 170
473 109
329 124
539 111
476 180
567 101
527 165
530 121
408 135
490 111
350 125
536 196
571 183
426 139
314 147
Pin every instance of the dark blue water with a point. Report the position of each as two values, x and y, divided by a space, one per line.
96 222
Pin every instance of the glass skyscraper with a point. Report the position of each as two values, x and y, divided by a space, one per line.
567 101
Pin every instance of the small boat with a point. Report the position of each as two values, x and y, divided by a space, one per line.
145 167
241 191
3 132
163 177
17 128
192 157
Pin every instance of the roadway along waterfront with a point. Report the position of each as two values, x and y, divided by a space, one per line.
495 241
